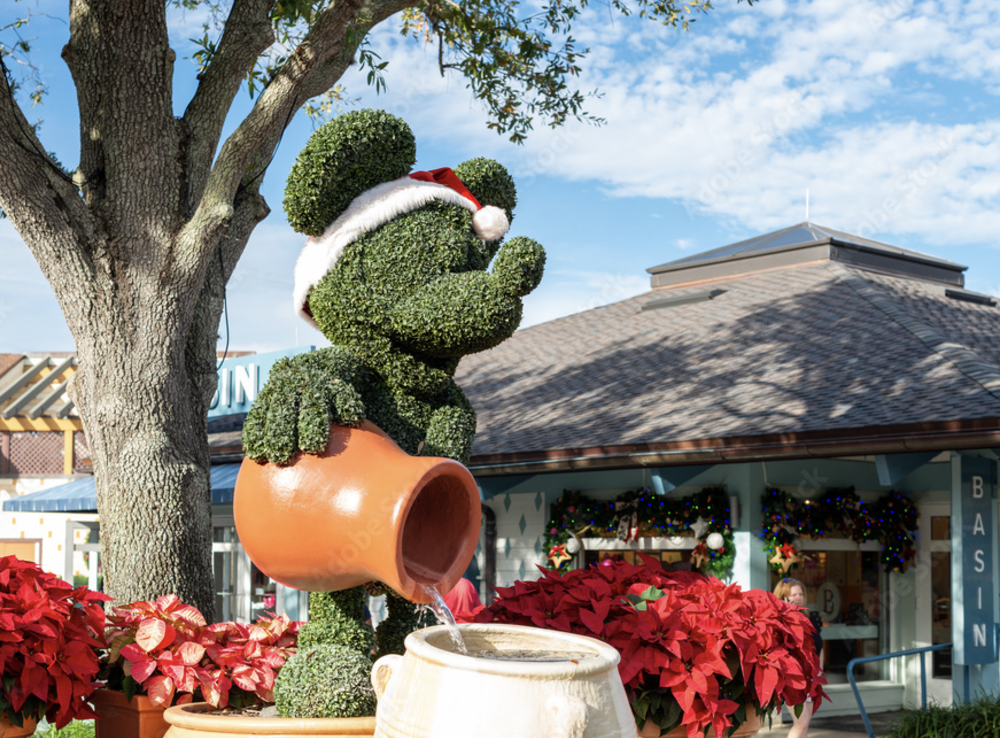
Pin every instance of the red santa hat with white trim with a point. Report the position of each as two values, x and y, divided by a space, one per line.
376 207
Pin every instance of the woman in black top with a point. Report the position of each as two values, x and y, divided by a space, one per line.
794 592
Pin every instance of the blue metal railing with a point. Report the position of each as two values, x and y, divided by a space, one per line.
883 657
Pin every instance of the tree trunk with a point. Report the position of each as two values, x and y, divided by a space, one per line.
146 429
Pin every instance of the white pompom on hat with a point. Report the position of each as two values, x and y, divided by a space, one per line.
376 207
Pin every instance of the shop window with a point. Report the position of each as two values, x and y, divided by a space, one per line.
674 552
225 570
845 586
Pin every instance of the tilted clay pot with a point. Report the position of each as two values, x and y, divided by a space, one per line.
434 691
365 510
198 721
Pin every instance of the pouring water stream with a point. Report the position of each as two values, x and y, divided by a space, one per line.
444 616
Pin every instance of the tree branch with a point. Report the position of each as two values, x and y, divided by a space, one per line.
326 75
122 64
40 199
203 334
80 57
247 35
247 152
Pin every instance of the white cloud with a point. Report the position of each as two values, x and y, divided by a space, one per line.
184 24
817 106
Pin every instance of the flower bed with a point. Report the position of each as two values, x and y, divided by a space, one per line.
694 651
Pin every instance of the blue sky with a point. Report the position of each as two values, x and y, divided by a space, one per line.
884 110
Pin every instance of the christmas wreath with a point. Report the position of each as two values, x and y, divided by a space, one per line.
642 514
891 520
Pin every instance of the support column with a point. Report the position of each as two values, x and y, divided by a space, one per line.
974 576
750 569
67 452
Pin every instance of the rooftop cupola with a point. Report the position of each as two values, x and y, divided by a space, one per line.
805 243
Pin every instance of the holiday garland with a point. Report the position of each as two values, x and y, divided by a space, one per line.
891 520
643 514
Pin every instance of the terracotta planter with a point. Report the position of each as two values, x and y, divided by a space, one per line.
436 692
362 511
197 721
118 717
750 727
9 730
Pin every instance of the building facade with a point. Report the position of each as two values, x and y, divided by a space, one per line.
808 366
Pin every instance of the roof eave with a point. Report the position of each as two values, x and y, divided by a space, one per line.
936 436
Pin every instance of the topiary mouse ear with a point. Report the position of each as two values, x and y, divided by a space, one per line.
343 158
490 183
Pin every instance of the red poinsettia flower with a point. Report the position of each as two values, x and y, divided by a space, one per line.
705 650
49 646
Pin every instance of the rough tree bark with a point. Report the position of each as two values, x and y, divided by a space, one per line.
138 244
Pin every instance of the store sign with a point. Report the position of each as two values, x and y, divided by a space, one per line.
975 630
240 379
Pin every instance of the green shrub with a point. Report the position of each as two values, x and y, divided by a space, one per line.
337 618
75 729
325 681
978 718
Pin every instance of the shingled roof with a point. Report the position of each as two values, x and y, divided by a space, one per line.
810 356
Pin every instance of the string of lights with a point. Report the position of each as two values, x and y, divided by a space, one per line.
640 514
891 520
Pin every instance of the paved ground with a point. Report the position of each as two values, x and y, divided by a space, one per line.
843 726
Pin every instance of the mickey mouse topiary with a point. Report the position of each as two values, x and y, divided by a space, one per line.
396 274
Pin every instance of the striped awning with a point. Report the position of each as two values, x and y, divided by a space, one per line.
80 495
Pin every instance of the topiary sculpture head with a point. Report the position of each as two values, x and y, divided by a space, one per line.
396 263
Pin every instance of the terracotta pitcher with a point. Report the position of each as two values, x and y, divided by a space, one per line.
365 510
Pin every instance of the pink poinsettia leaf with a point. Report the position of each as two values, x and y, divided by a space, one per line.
160 690
153 634
143 670
190 614
273 657
190 653
167 603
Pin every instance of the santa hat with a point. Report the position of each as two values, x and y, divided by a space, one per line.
376 207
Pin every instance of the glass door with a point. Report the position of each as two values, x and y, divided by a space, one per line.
231 571
845 585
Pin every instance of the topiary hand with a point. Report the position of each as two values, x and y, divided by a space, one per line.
450 433
518 266
465 312
304 395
